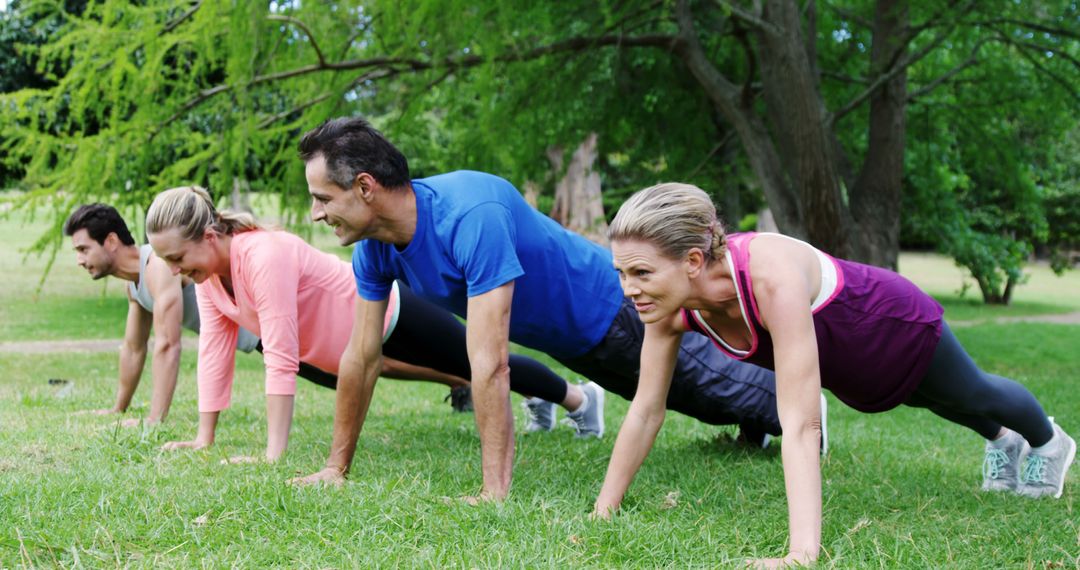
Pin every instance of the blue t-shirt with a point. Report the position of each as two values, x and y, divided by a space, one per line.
475 233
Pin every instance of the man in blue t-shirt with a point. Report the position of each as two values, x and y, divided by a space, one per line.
469 242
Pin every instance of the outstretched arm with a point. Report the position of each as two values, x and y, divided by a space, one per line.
783 296
357 373
646 415
487 335
132 355
167 292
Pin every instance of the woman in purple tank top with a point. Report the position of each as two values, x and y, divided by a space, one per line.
867 334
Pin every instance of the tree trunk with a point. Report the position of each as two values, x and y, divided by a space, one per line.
876 195
753 133
801 125
239 201
578 205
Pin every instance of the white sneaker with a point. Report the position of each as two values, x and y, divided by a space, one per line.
1044 474
1001 464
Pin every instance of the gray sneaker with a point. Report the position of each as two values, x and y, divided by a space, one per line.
1001 464
589 418
541 415
1045 474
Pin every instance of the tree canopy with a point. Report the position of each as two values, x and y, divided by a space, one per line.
840 115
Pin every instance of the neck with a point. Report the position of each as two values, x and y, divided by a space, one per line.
127 263
714 288
397 212
223 246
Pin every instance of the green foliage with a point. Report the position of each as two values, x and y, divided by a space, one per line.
144 96
984 159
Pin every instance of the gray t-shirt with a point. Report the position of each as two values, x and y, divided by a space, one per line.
245 341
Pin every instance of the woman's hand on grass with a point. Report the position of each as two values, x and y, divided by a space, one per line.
792 560
328 476
193 444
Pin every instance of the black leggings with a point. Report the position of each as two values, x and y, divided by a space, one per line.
955 389
429 336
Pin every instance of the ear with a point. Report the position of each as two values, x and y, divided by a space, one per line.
112 241
695 262
364 186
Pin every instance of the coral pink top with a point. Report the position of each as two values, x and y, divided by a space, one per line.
298 299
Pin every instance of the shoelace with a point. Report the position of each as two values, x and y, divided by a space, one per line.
1035 470
994 463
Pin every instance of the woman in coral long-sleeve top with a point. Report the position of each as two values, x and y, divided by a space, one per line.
297 299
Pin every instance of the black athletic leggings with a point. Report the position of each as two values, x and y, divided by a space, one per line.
428 335
955 389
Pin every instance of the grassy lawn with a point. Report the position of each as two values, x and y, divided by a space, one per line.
900 488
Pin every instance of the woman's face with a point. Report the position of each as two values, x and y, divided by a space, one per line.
197 260
658 285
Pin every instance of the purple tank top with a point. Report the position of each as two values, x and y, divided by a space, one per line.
876 335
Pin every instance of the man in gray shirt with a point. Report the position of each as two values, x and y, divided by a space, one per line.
158 300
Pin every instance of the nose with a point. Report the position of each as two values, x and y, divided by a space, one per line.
317 211
629 288
174 268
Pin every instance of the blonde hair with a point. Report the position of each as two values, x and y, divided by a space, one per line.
190 210
673 217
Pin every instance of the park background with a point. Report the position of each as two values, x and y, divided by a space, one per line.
865 127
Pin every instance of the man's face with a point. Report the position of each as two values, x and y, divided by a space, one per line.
342 209
91 255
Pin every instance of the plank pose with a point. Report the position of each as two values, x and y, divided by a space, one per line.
867 334
158 300
300 301
470 243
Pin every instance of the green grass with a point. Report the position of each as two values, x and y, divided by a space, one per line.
901 488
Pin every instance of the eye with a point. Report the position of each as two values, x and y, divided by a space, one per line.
642 273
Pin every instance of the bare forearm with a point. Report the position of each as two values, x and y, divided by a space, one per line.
279 413
802 481
635 439
350 411
132 360
165 368
491 402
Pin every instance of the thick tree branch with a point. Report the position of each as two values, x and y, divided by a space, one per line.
925 89
1038 27
894 70
752 19
413 64
172 25
302 26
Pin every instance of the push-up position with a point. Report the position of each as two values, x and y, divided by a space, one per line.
867 334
